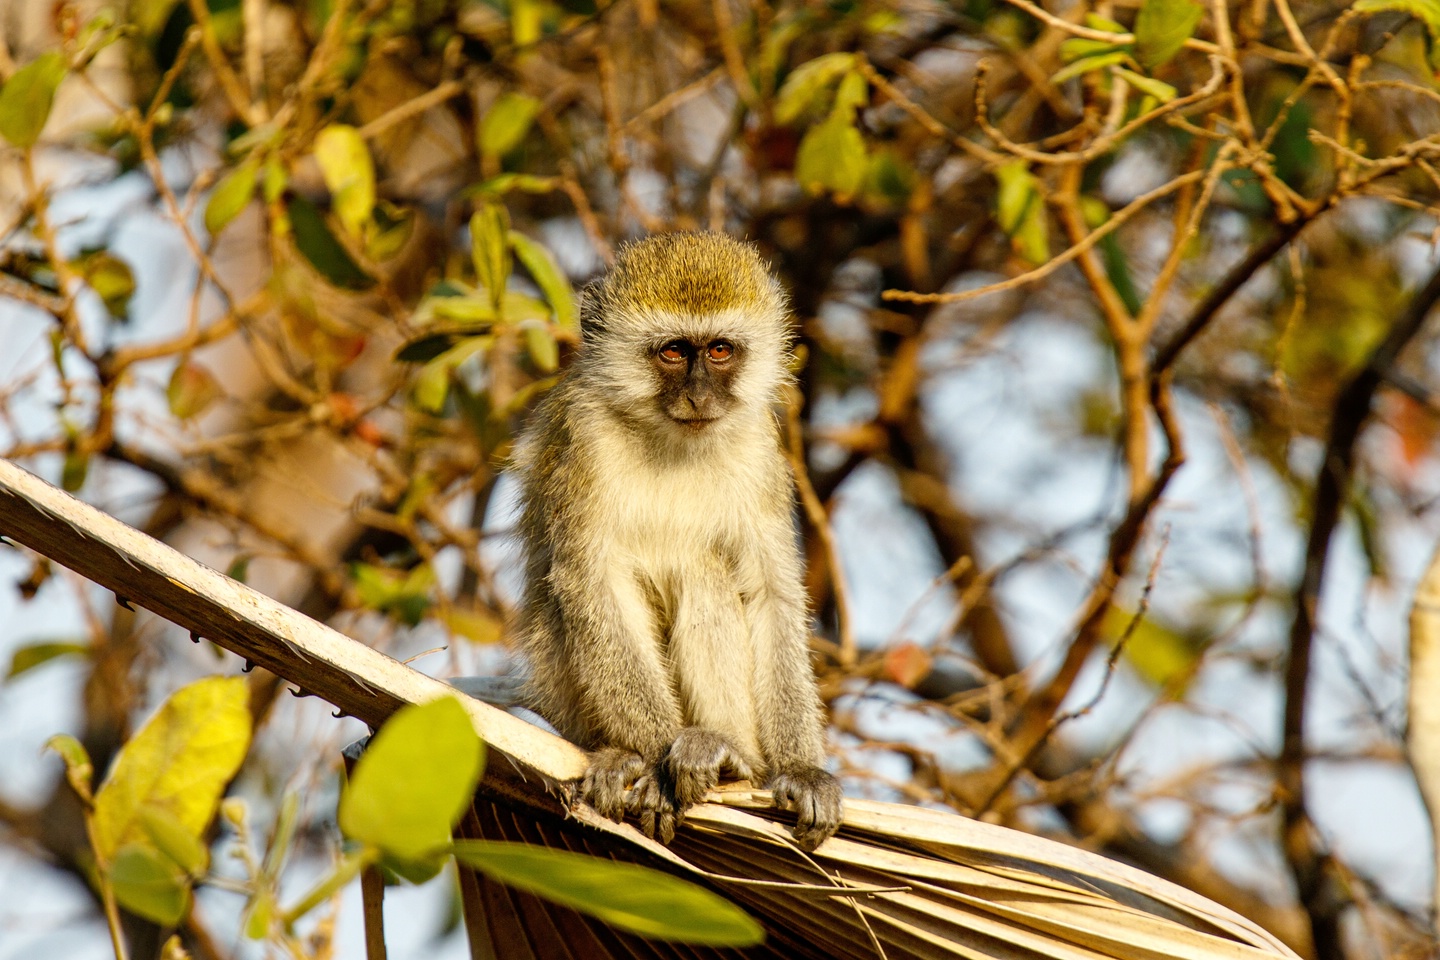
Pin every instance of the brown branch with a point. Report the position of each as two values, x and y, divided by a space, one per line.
1320 890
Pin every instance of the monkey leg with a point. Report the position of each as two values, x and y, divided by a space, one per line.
814 796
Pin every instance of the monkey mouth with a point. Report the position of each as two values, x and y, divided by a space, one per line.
695 423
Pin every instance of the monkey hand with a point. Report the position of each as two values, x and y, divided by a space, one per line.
612 770
688 770
814 795
696 759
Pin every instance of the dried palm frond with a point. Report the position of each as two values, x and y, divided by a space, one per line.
896 881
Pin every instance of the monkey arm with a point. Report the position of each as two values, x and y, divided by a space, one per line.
612 653
792 728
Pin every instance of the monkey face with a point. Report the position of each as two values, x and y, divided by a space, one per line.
696 379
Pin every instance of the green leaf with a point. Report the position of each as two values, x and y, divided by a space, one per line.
807 82
540 344
506 123
505 182
832 157
852 94
1017 193
326 887
1020 211
78 768
110 278
275 180
1089 64
74 469
318 245
889 177
349 174
173 839
1160 654
1078 48
231 195
33 655
546 273
179 763
1426 11
191 390
1161 29
403 595
1096 22
625 895
490 250
27 97
474 625
1147 85
147 884
416 777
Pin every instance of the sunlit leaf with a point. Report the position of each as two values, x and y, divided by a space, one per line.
1426 11
349 175
852 94
1020 211
1161 655
75 468
179 762
1078 48
416 777
33 655
327 886
546 274
318 245
78 767
505 182
625 895
506 123
540 344
175 840
191 390
1096 22
231 195
27 97
808 82
832 158
490 249
474 625
526 20
1158 89
275 180
1089 64
1161 29
148 884
405 595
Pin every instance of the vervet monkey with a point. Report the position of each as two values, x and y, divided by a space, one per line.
664 616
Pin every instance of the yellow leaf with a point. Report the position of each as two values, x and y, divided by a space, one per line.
178 763
349 174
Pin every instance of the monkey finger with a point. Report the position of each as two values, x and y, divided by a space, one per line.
654 808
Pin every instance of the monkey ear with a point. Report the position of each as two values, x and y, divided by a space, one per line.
591 311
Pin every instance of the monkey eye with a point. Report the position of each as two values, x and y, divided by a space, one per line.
673 352
720 351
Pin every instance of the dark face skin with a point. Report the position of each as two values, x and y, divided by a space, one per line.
696 379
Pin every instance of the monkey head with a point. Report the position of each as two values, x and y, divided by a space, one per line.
686 335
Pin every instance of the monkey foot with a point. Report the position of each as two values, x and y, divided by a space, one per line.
814 796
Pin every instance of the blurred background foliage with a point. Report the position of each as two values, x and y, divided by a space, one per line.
281 280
